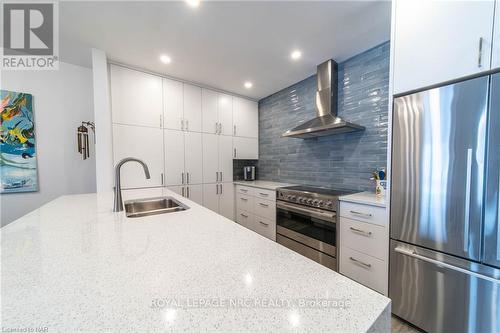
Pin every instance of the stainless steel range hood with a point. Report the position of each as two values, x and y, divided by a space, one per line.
326 121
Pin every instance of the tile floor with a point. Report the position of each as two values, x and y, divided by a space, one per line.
399 326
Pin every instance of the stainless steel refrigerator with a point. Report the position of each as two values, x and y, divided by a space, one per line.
445 207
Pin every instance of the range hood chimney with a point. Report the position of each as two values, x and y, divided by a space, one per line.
326 121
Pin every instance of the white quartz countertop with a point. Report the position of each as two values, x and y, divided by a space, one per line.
264 184
366 198
75 266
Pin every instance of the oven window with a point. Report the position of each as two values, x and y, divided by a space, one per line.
309 226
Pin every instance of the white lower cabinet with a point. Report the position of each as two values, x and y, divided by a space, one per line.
219 197
256 210
364 245
144 143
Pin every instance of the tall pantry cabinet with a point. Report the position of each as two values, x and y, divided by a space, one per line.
187 135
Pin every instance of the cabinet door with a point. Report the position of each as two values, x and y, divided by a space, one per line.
226 201
495 53
209 111
136 97
226 158
210 158
245 148
245 118
192 108
174 157
193 162
173 113
143 143
195 193
177 189
211 196
444 45
225 112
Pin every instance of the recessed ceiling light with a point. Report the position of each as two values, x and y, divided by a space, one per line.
193 3
296 55
248 84
165 59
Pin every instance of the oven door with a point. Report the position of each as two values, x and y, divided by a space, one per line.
311 227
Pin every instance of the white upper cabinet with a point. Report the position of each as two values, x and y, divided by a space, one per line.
210 158
174 157
437 41
245 118
495 53
225 112
245 148
136 97
209 112
192 108
193 163
143 143
173 109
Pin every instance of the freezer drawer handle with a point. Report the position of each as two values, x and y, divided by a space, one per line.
414 254
359 213
360 262
368 233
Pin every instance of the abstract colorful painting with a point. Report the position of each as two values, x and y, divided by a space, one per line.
18 167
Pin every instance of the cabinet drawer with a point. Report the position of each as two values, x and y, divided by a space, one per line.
245 218
264 194
244 202
365 213
364 269
265 227
265 208
364 237
244 190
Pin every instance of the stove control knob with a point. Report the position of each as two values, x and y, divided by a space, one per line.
293 198
300 199
321 203
329 204
315 202
309 201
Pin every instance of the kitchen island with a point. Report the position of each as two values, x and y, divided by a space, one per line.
74 265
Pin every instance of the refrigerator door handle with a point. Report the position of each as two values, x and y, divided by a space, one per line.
467 200
498 219
414 254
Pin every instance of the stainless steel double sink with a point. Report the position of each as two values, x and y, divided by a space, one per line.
153 206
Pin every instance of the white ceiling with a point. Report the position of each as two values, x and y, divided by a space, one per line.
223 44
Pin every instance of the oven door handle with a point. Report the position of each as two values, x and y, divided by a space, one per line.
312 212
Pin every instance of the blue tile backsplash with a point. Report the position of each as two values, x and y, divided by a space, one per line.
341 161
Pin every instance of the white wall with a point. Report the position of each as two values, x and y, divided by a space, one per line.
62 100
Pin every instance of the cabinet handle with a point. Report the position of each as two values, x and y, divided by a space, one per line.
361 231
216 188
182 124
264 194
161 177
187 189
187 125
183 191
264 223
220 128
235 152
244 215
234 130
187 178
480 53
243 190
244 199
361 214
360 262
263 204
182 177
216 176
221 176
220 188
160 122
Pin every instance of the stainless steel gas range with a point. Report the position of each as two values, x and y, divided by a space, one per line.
306 222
